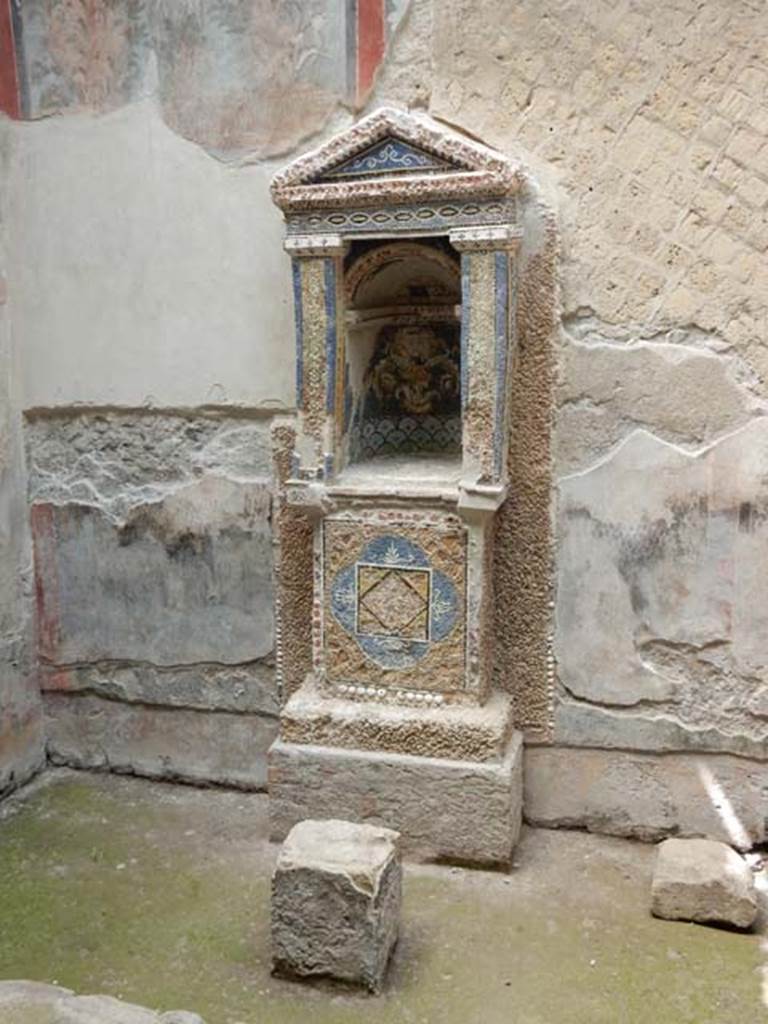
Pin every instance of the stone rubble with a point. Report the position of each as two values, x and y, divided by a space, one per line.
702 880
31 1002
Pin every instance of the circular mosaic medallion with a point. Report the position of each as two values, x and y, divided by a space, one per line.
393 603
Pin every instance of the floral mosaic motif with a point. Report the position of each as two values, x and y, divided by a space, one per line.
82 54
412 393
388 157
393 603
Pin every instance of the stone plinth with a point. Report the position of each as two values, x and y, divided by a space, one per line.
445 809
336 902
467 732
702 880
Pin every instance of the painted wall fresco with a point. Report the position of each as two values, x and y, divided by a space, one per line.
254 76
80 54
250 75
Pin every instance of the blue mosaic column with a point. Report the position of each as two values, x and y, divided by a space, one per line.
317 278
487 336
487 339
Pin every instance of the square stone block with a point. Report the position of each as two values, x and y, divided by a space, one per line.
336 902
702 880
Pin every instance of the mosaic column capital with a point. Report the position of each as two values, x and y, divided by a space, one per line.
485 238
309 246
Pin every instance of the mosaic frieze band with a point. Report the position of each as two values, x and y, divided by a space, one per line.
404 218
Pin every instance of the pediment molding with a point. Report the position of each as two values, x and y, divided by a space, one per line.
393 156
390 156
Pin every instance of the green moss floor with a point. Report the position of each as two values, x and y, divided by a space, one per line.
159 895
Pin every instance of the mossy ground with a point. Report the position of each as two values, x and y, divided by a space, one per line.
160 895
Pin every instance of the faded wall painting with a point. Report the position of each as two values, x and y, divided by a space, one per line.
254 76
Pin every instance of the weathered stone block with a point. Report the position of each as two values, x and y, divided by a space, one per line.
32 1002
336 901
29 1002
444 809
701 880
29 994
85 731
101 1010
647 796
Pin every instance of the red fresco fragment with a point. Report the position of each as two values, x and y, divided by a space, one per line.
46 580
9 85
59 680
371 41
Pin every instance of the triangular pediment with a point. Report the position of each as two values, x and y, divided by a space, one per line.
391 155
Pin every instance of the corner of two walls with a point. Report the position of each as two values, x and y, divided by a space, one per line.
22 750
636 527
154 327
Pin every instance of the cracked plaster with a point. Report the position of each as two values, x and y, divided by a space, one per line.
661 602
648 142
246 79
165 520
117 460
688 394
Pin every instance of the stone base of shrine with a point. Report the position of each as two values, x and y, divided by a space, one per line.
453 732
465 812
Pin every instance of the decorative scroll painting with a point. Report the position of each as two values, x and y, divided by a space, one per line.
392 156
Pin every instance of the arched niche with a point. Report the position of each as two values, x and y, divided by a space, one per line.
403 354
404 240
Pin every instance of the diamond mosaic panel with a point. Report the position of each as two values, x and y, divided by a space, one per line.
394 612
393 602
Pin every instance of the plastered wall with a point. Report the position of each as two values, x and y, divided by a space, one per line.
648 124
21 725
147 278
